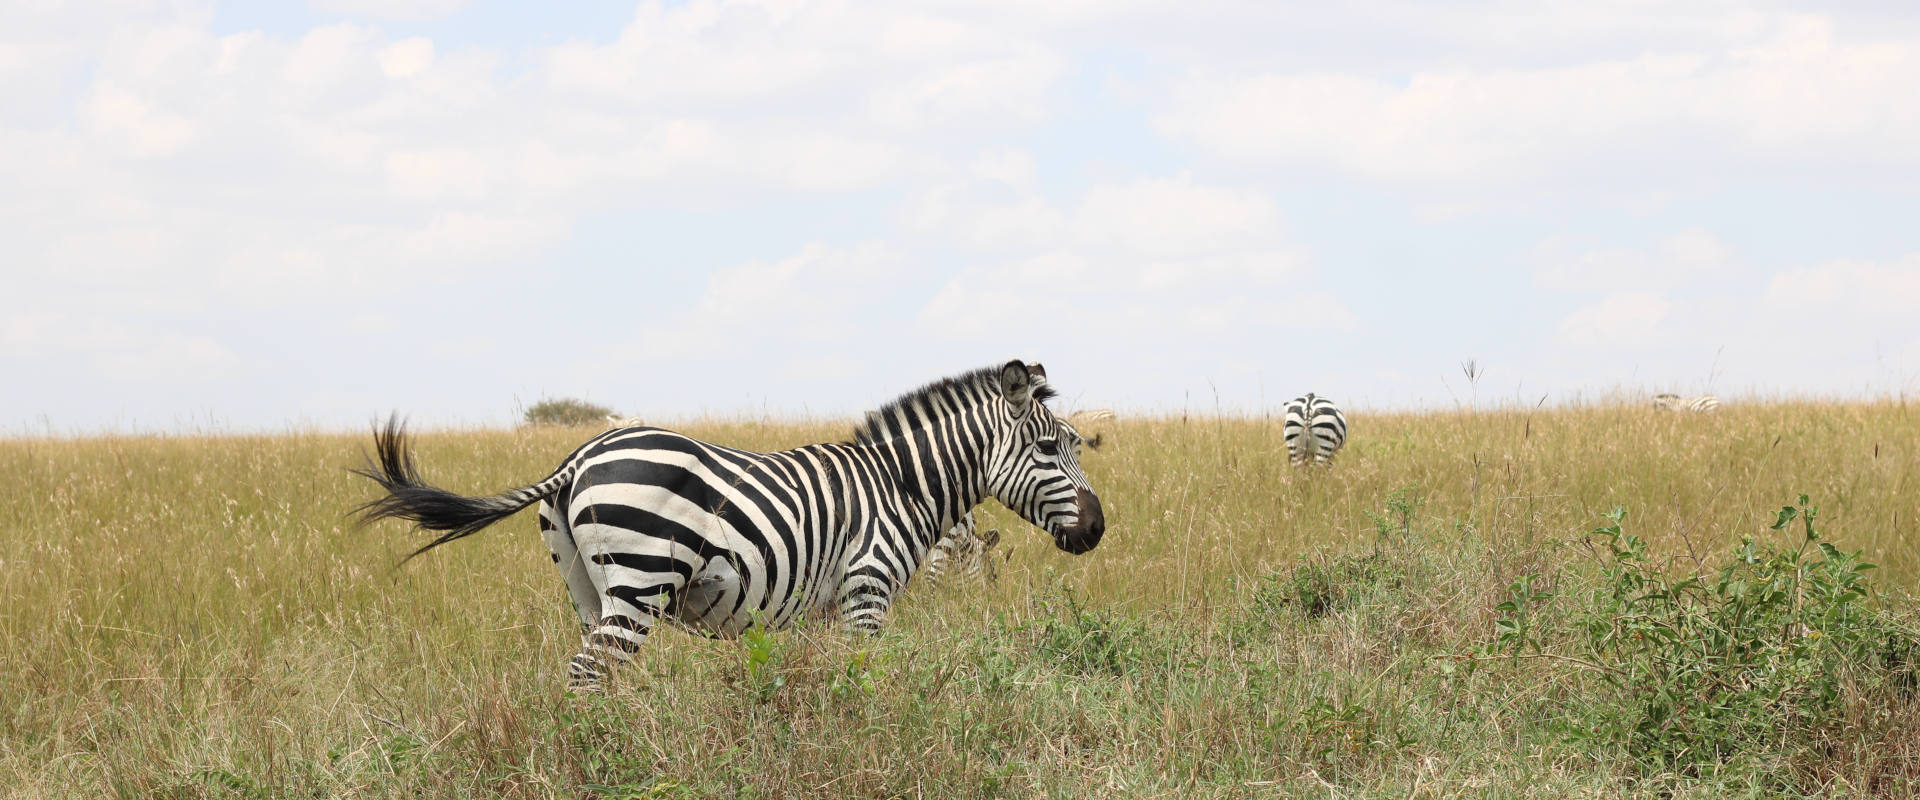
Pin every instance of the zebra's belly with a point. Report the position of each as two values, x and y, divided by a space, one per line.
712 602
716 603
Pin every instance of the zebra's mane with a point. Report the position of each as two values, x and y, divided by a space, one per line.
883 424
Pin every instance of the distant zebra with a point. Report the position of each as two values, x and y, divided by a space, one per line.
1315 429
643 522
1091 419
964 550
1085 417
1704 404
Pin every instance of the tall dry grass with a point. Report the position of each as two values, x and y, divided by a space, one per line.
197 617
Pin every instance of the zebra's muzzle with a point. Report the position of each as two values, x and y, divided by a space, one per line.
1085 533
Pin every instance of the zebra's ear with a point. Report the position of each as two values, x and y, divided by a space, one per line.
1016 384
991 538
1094 443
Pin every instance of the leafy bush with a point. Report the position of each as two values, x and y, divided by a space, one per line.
1092 641
567 412
1756 666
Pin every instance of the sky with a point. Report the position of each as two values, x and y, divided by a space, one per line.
224 216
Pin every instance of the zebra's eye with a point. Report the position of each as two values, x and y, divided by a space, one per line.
1047 447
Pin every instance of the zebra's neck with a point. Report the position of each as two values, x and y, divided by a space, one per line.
933 444
937 479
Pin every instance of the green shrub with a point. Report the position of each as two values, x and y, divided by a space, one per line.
567 412
1092 641
1754 667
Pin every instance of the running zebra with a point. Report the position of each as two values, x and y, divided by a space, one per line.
963 552
1315 429
1704 404
644 523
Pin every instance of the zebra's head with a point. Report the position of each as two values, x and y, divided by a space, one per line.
1666 402
1034 468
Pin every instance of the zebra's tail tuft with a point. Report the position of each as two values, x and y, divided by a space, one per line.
430 508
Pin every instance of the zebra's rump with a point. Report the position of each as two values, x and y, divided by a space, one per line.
1314 428
649 508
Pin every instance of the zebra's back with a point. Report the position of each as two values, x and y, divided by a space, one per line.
1703 404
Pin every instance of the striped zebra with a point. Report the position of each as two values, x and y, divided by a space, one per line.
1315 429
1092 420
1704 404
645 523
1090 416
963 551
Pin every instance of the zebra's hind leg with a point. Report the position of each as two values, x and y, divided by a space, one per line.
636 577
573 568
619 634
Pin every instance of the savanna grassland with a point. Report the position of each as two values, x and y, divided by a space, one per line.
1433 616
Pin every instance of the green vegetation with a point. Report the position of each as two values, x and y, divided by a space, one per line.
1434 616
567 413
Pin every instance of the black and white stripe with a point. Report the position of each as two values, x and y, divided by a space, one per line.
1315 429
1704 404
645 523
962 554
964 550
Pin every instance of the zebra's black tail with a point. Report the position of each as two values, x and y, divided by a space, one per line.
410 498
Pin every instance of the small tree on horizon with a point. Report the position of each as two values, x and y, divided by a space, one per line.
568 412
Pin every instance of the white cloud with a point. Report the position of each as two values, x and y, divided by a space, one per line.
1849 290
1834 327
888 66
1686 258
328 55
1790 90
436 173
815 296
1150 233
392 9
407 57
144 131
117 351
1620 321
267 169
1126 263
1174 217
830 368
159 171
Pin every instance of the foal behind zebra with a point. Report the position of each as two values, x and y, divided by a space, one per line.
644 522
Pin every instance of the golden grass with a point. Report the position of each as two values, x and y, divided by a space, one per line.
196 616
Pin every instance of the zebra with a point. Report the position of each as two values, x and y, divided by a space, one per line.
1087 419
963 549
643 522
1315 429
1704 404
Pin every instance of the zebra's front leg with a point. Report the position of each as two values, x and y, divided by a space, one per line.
629 614
865 597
